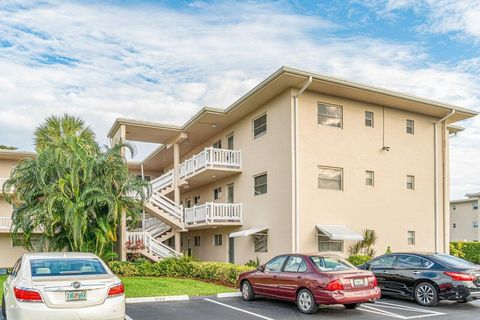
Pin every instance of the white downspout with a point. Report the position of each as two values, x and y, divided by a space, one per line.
143 211
452 112
295 159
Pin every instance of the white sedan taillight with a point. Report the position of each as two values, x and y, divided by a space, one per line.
116 290
27 295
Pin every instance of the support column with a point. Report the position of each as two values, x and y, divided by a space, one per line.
120 136
176 164
178 242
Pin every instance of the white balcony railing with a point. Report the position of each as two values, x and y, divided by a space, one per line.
162 182
213 213
5 223
210 158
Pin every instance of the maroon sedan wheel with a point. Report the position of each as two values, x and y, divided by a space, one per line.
306 302
247 291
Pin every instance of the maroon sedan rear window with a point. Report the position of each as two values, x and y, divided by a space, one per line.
327 264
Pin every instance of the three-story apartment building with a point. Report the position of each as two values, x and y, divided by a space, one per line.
464 218
10 250
302 162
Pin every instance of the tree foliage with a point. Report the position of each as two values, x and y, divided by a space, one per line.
73 191
364 247
4 147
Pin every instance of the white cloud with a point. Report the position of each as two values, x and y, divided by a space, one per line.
443 16
149 62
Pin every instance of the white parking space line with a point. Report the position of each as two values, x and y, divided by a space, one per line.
238 309
127 317
379 308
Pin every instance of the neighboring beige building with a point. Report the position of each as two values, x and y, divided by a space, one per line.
9 251
302 162
464 218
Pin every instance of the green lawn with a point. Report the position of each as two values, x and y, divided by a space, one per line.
154 287
2 279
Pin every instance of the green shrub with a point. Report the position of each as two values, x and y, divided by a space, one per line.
253 263
466 250
358 259
184 267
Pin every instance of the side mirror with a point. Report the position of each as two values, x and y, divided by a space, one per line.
261 268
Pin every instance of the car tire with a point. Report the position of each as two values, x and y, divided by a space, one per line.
306 302
426 294
351 306
4 312
247 291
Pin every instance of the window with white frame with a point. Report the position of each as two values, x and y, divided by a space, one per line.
260 184
475 224
411 237
196 200
454 225
369 178
369 119
330 178
327 244
410 126
217 145
217 193
260 126
196 241
475 205
260 242
218 240
411 182
454 207
330 115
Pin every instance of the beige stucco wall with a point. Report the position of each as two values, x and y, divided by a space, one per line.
8 253
463 215
388 207
269 153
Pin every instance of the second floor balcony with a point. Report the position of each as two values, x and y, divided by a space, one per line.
213 214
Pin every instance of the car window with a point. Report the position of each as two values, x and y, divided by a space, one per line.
294 264
409 262
383 262
66 267
16 267
275 265
325 264
453 261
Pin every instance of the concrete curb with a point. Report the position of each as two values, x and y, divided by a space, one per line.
157 299
229 294
181 298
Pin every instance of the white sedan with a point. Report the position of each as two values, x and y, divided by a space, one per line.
66 286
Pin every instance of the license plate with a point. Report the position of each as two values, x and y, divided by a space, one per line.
358 282
76 295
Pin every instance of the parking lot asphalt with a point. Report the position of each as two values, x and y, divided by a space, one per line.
209 308
236 309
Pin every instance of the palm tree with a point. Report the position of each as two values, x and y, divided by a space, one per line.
74 191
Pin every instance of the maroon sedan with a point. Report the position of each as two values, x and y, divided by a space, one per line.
310 280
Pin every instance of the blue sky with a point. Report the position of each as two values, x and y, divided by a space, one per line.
163 60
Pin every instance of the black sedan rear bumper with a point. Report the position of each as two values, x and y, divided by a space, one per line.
461 293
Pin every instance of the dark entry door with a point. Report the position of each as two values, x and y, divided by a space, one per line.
231 250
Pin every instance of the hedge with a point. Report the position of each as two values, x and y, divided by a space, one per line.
357 260
466 250
184 267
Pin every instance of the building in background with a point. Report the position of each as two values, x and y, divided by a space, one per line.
464 218
302 162
10 250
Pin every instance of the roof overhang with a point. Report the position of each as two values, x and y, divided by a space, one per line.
210 121
248 232
339 232
16 154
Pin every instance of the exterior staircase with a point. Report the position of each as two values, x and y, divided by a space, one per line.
166 218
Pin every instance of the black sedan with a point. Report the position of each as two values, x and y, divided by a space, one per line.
426 277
